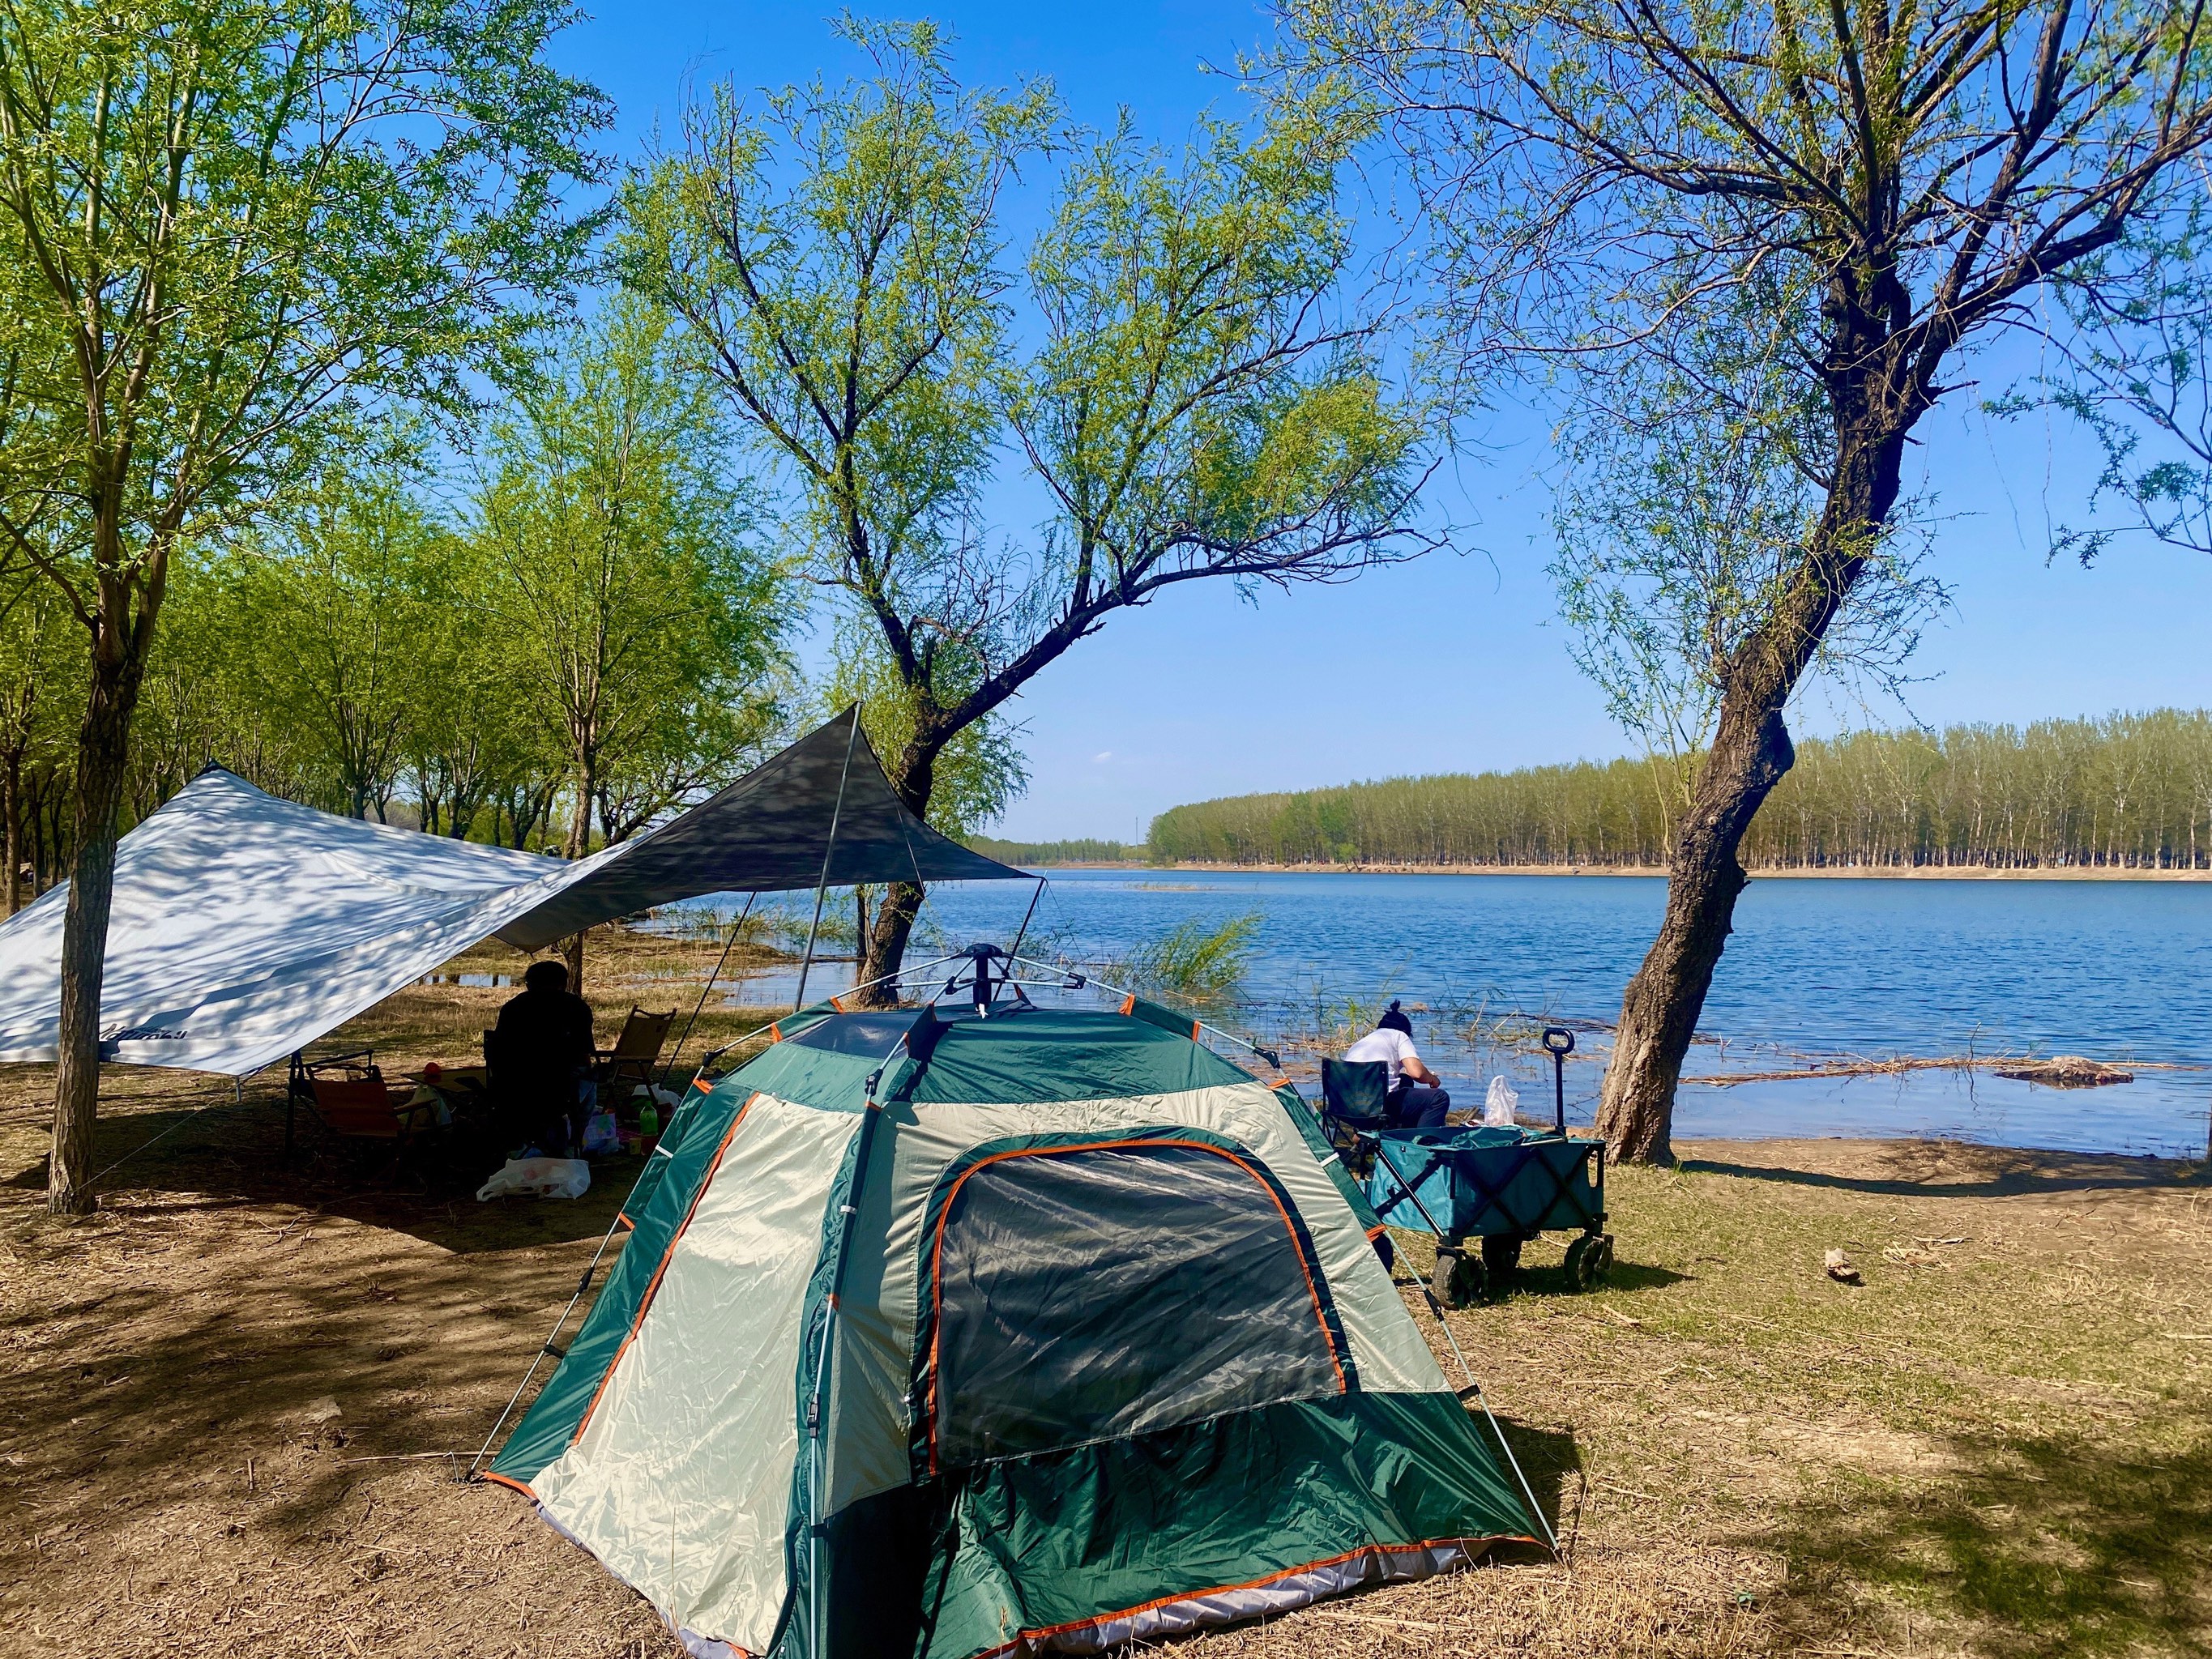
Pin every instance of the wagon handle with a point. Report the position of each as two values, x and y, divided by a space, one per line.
1560 1042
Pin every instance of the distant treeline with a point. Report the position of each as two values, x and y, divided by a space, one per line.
2131 790
1084 850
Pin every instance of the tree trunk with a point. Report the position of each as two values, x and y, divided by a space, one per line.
1751 752
886 944
103 751
580 821
14 815
885 953
573 949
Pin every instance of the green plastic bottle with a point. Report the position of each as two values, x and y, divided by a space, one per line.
648 1121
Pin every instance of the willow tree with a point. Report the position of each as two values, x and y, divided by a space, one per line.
620 569
221 222
1172 375
1901 182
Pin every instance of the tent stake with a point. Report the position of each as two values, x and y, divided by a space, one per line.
822 886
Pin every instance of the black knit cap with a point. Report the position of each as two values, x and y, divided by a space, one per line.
1393 1020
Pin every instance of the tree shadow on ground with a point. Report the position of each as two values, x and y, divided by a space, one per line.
2046 1545
1922 1169
151 1385
226 1151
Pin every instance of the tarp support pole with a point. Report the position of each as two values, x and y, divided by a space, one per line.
822 886
1024 934
736 927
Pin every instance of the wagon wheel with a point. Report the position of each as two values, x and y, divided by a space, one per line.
1578 1264
1589 1258
1501 1255
1459 1279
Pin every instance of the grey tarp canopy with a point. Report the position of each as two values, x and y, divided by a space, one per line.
767 833
246 926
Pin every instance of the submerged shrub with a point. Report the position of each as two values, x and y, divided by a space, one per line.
1196 959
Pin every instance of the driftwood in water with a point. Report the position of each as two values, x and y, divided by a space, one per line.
2060 1071
2068 1071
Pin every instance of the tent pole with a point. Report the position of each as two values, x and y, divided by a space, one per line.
822 886
736 927
1436 1311
818 1405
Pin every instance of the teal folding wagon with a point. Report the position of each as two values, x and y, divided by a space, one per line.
1503 1185
966 1336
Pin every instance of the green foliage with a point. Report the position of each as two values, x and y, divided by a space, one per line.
1195 959
227 223
601 626
1189 403
974 778
2128 791
642 626
2136 376
1082 850
1688 490
345 593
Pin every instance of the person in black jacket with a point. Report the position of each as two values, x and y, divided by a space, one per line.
544 1062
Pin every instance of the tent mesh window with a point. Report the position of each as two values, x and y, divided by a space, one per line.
1092 1294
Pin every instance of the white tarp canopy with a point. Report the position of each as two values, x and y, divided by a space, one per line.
245 926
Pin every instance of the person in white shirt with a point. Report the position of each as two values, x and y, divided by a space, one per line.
1418 1100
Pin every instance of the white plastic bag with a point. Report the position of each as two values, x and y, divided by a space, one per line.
657 1096
602 1135
1499 1105
538 1177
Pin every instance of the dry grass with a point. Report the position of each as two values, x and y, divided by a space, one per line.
1999 1445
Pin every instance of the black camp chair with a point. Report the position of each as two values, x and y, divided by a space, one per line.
1355 1102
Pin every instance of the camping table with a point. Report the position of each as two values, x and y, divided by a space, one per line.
451 1079
463 1088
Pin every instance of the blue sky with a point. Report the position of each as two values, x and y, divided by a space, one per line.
1456 662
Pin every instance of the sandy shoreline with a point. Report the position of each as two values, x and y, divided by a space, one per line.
1834 873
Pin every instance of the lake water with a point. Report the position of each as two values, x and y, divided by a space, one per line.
2120 971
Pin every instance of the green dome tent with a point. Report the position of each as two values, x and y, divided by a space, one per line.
1034 1332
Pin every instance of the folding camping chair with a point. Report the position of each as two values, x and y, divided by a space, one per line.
346 1094
636 1052
1355 1102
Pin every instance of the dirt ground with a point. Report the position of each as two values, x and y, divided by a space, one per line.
233 1402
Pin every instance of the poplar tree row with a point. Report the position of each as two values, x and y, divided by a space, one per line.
2128 791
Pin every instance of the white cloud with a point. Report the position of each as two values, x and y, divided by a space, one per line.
1102 756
